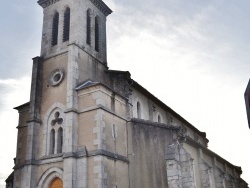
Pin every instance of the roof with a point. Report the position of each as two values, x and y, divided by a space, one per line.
86 84
22 106
160 103
10 178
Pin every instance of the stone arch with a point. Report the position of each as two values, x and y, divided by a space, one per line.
48 176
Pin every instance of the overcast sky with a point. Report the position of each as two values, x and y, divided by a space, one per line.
193 55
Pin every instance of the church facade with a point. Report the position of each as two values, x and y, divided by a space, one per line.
87 126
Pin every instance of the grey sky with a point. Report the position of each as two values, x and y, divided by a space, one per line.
193 55
21 35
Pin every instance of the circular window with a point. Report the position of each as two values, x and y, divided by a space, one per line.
56 77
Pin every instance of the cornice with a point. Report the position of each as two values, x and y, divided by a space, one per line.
46 3
98 3
102 7
155 124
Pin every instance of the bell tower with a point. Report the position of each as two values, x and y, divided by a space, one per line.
81 23
57 127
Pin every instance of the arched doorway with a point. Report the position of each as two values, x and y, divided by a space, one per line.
56 183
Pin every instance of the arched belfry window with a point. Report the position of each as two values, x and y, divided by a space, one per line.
52 141
59 140
55 29
88 28
138 106
66 25
97 34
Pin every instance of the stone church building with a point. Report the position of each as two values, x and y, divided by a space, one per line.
87 126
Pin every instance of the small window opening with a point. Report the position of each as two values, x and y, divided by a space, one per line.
114 132
55 29
138 110
97 34
159 119
66 26
113 102
52 141
57 77
88 29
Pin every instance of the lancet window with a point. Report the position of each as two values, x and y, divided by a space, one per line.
66 25
55 29
97 34
88 28
52 141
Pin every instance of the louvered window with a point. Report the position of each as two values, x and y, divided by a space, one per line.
97 30
88 29
66 25
55 29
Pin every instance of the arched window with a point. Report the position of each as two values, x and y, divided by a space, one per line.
159 119
66 25
138 110
114 132
52 141
55 29
97 29
88 28
59 140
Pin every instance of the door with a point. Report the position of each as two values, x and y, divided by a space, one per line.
56 183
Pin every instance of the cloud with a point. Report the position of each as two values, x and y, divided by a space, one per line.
203 33
194 57
13 92
21 41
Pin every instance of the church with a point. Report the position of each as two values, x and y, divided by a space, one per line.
88 126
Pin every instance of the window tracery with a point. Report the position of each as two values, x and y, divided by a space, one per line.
55 127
